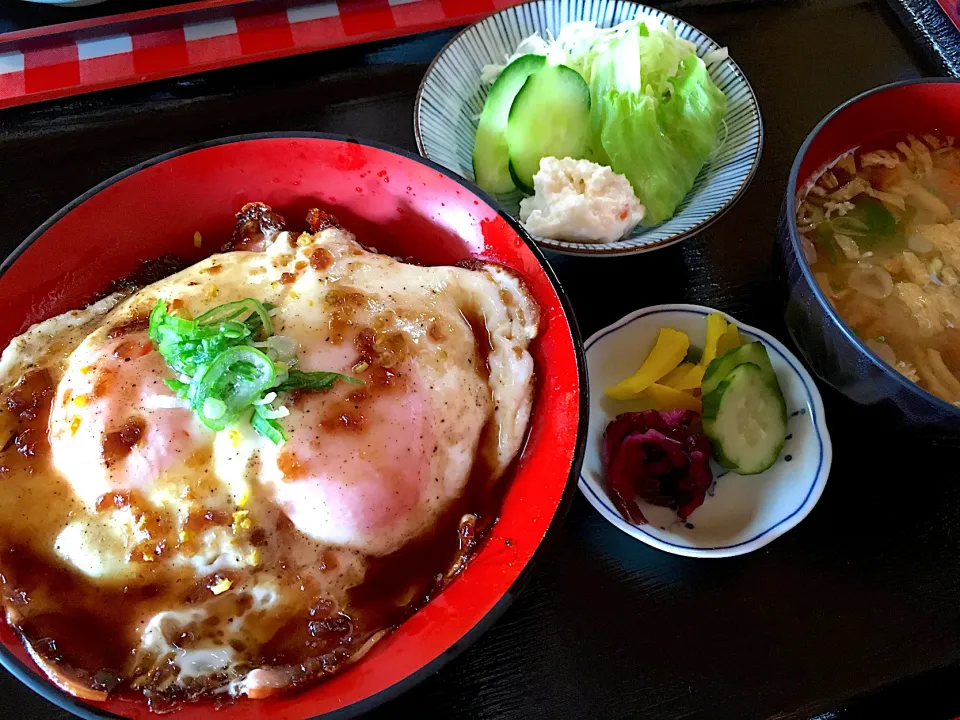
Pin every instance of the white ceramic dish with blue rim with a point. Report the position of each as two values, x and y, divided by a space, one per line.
740 514
451 99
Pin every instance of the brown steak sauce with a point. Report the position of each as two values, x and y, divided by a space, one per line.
85 634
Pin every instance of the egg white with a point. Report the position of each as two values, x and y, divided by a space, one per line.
359 488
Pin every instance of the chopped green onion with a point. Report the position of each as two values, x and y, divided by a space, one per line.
270 429
249 308
268 412
824 241
298 380
180 388
221 372
214 408
237 377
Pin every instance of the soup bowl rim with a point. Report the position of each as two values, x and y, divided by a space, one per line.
794 235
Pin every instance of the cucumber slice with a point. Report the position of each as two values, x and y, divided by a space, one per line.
745 418
491 157
550 117
722 366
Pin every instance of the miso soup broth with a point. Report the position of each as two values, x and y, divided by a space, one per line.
880 229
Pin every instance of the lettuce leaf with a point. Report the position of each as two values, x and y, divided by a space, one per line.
660 142
655 112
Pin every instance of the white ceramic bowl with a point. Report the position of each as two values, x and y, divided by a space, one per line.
451 99
740 514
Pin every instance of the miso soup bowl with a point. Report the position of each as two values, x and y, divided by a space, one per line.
828 346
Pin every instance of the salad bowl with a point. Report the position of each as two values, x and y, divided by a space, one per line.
452 95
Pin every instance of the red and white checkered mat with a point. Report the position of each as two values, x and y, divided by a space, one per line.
65 60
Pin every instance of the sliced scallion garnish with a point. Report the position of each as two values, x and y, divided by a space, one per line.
220 372
234 380
298 380
270 429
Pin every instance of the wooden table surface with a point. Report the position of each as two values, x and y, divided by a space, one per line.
863 593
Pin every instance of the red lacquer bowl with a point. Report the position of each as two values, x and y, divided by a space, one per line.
402 205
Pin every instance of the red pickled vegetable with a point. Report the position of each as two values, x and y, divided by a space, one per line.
660 457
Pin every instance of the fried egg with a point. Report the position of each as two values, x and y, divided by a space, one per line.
252 566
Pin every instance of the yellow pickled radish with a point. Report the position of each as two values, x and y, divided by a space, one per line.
694 378
716 327
679 377
729 340
671 348
665 398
